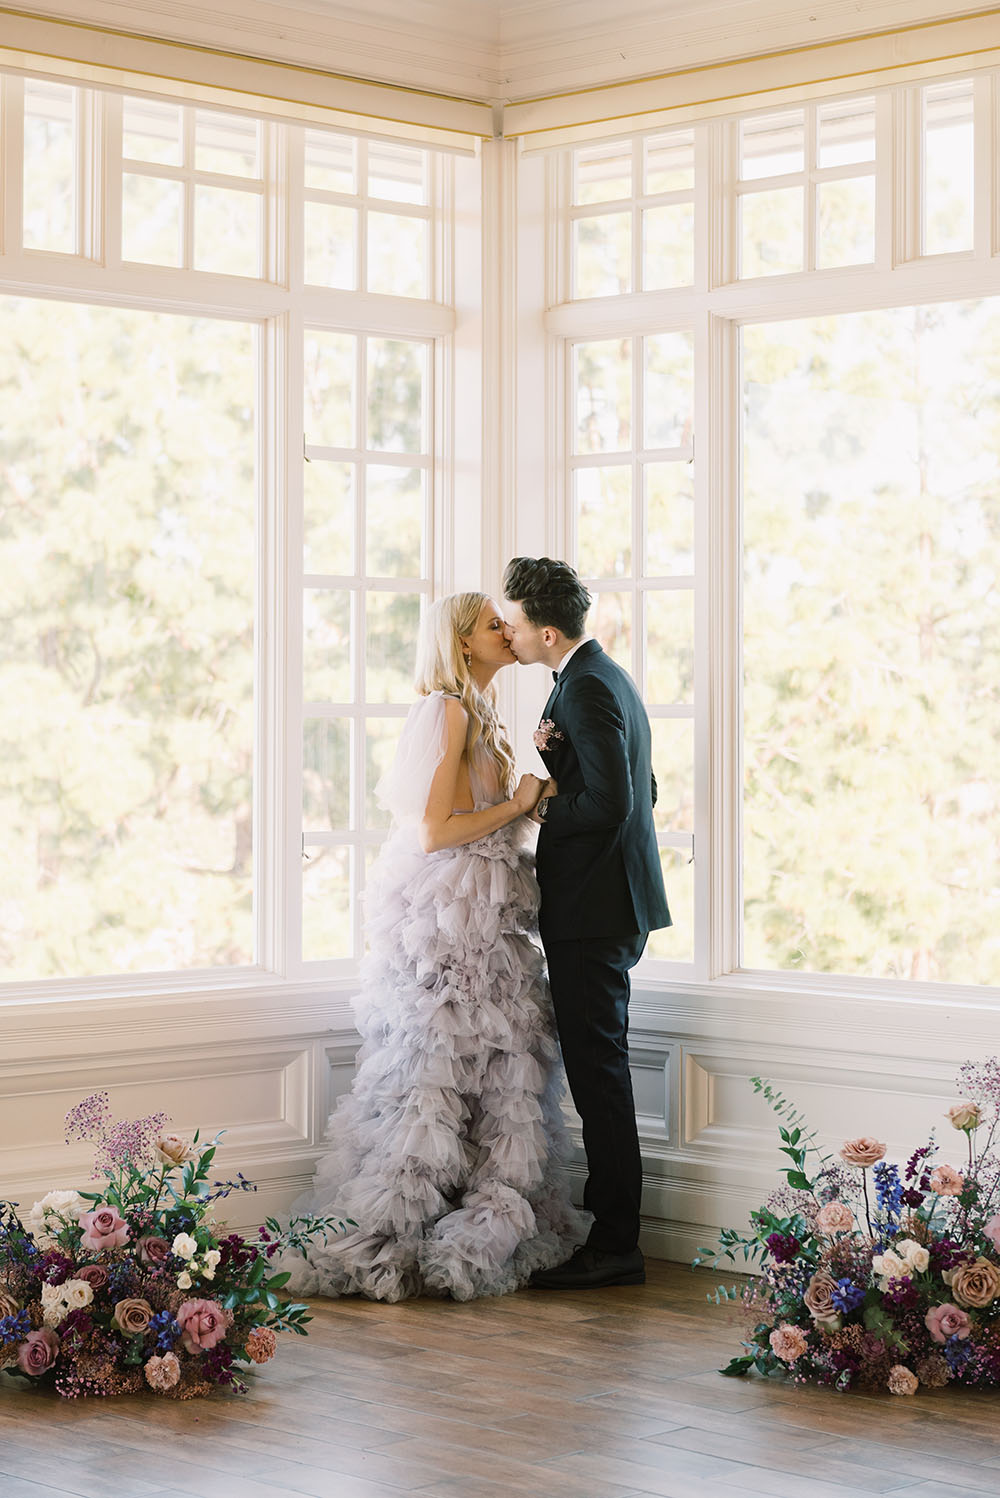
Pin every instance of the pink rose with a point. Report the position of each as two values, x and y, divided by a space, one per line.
947 1182
788 1342
152 1251
95 1275
38 1351
863 1151
103 1228
202 1322
902 1381
947 1321
835 1217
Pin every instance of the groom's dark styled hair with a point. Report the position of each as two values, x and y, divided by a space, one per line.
549 592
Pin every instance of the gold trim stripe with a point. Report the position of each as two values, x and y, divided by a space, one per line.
32 42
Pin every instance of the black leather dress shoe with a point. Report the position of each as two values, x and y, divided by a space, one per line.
592 1269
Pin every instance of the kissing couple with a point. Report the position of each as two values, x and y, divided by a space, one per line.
444 1157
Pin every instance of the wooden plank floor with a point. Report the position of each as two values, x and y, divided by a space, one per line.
609 1394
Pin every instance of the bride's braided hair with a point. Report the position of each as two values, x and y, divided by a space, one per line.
441 667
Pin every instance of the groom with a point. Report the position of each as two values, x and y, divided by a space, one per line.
602 893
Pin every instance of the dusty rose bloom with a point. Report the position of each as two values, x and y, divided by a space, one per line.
152 1251
163 1373
261 1344
103 1228
976 1284
202 1322
95 1275
947 1321
835 1217
38 1351
172 1149
818 1298
991 1230
947 1182
133 1316
902 1381
964 1115
788 1342
863 1151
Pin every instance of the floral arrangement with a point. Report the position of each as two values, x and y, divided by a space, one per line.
135 1286
872 1274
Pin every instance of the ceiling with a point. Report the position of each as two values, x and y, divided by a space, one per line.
503 51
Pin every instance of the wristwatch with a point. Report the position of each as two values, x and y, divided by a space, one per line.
542 809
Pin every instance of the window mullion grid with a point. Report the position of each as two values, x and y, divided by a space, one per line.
290 659
187 159
12 178
638 434
887 207
361 228
984 164
638 226
810 225
359 606
90 174
111 194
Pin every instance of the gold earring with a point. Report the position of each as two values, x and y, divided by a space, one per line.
467 658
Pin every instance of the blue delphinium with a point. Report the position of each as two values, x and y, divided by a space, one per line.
165 1329
847 1295
14 1328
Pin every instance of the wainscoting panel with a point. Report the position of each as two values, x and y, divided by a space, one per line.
268 1063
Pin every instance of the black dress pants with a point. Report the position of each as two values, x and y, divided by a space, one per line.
590 994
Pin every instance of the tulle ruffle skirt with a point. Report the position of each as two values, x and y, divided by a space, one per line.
445 1153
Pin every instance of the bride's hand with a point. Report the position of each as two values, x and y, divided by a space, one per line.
528 793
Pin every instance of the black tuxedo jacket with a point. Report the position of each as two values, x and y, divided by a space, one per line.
598 861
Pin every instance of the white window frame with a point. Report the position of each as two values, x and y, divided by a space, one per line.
282 307
717 306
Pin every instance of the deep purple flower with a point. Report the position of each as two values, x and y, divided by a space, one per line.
903 1293
912 1198
783 1247
75 1327
55 1267
945 1253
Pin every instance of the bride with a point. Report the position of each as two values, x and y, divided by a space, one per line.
445 1153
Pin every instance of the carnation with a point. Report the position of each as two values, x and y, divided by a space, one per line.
162 1373
261 1344
788 1343
902 1381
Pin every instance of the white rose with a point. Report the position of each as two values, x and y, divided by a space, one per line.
52 1213
54 1307
184 1281
208 1273
916 1256
77 1294
184 1246
212 1257
889 1265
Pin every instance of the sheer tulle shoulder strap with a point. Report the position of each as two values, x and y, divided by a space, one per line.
405 786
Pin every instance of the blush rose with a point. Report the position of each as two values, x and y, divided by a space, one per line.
38 1351
103 1228
202 1324
964 1115
152 1251
947 1321
976 1285
863 1151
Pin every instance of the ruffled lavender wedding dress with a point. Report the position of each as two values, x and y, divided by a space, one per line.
445 1153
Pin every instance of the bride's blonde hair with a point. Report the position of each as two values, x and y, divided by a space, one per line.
441 667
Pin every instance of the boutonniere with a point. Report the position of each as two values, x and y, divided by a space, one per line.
547 734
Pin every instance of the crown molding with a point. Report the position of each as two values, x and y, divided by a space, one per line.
496 53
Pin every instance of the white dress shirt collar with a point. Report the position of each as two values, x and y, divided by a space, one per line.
570 654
